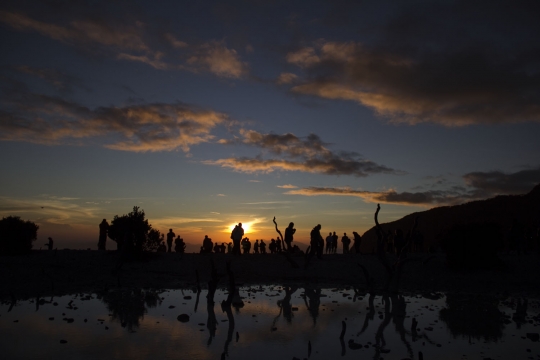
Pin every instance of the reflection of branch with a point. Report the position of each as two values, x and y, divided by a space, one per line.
370 315
380 342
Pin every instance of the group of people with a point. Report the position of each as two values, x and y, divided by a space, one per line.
242 245
317 243
179 244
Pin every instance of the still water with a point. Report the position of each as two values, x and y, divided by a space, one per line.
270 322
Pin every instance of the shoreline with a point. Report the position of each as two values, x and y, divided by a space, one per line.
62 272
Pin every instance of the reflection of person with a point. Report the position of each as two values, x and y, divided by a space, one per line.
170 237
103 228
289 233
50 243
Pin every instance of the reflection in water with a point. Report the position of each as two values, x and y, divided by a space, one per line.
314 297
128 306
375 325
473 317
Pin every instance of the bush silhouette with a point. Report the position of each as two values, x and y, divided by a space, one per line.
133 233
16 235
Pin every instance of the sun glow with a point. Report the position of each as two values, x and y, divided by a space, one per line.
245 226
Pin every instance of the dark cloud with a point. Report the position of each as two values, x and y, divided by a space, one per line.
452 63
480 185
498 182
61 81
135 41
145 127
307 155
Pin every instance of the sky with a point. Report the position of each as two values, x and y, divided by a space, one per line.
205 114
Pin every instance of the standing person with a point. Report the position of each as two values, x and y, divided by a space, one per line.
289 233
103 228
256 247
170 238
278 245
262 245
316 240
329 242
357 242
334 242
179 245
50 243
346 242
236 235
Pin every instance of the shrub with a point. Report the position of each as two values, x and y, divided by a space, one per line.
133 233
16 235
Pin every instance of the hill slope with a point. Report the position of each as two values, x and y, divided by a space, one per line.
434 222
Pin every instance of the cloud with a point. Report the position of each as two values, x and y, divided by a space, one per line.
219 60
134 42
286 78
149 127
61 81
306 155
81 32
288 186
498 182
452 82
480 185
154 61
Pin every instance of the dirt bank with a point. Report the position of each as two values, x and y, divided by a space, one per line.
47 273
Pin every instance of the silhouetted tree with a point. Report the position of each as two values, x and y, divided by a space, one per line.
16 235
133 233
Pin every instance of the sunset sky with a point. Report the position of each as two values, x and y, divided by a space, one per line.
206 114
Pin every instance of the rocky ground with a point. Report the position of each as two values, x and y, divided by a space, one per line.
44 273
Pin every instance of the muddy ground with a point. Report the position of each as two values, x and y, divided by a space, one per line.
45 273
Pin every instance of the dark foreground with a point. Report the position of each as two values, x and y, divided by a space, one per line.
43 273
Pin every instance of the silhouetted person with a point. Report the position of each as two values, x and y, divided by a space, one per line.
162 247
289 234
278 245
207 245
316 240
216 248
256 247
229 248
170 238
103 228
236 236
272 246
334 242
346 242
222 248
246 245
179 245
329 241
50 243
262 245
357 242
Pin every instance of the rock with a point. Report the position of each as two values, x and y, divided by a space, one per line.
353 345
183 318
533 336
63 341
